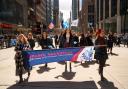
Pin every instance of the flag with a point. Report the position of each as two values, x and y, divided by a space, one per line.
85 54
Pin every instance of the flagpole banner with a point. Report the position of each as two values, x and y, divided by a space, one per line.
36 57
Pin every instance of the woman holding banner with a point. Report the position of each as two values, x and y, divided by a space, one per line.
101 51
31 40
22 44
46 43
67 43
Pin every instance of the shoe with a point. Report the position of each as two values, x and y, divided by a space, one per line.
28 74
20 81
102 79
46 65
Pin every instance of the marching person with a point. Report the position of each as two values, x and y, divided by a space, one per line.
46 43
61 39
67 36
75 40
31 40
110 42
21 45
101 51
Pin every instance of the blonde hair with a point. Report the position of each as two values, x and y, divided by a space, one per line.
23 39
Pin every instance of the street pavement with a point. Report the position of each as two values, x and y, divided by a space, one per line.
83 76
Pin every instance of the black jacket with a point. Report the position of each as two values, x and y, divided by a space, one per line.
45 43
31 43
101 51
75 41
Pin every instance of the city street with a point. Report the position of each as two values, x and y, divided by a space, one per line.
84 76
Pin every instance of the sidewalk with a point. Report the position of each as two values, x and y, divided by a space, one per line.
83 76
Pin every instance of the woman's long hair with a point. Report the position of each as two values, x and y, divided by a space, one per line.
22 38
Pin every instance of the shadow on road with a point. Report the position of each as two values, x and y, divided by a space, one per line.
44 69
67 75
86 64
61 62
113 54
106 84
55 85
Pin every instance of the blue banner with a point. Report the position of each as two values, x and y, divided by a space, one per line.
36 57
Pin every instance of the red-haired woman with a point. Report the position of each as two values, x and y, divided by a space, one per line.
101 51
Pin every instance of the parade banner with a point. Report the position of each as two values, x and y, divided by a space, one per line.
36 57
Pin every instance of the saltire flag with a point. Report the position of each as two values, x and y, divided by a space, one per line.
36 57
84 54
51 25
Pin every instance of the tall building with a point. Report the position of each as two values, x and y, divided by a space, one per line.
61 19
112 15
31 13
40 11
49 11
75 9
87 16
12 12
56 13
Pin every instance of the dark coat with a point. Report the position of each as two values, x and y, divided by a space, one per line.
61 41
82 40
31 43
88 41
70 40
75 41
100 51
56 39
46 43
110 41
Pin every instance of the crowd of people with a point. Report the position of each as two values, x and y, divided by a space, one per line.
7 41
67 38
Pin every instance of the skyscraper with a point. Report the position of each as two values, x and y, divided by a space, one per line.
87 15
56 13
75 9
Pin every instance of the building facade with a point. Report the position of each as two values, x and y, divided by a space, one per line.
12 13
49 11
40 12
111 15
75 9
87 16
56 13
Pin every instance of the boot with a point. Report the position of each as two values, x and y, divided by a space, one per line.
21 79
101 74
46 65
65 66
70 67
